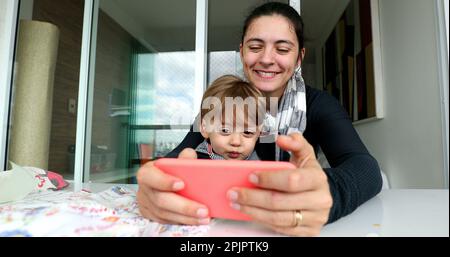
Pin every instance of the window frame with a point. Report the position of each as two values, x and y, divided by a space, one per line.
8 29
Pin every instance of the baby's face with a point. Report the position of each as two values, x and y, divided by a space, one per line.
233 144
233 140
232 136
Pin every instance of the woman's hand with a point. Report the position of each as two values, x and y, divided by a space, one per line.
158 201
281 194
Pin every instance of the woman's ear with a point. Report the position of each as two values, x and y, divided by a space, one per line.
241 51
301 56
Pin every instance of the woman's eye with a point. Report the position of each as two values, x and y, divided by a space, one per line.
283 50
254 48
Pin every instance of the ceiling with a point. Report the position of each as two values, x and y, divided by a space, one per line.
170 24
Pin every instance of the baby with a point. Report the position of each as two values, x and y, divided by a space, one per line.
231 119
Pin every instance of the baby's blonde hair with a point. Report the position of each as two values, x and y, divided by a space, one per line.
233 86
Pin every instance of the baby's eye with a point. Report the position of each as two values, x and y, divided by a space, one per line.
225 130
249 133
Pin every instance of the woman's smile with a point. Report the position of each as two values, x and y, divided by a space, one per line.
266 74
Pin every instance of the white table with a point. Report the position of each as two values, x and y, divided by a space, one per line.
393 212
390 213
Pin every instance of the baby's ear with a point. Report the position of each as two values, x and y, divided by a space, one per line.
203 130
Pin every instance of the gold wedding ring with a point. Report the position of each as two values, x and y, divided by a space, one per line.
298 218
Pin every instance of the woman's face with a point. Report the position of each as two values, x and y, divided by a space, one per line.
269 53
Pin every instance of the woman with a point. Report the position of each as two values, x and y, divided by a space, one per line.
294 202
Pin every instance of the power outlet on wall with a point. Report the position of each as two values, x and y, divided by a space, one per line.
72 106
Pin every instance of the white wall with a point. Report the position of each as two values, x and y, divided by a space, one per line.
408 141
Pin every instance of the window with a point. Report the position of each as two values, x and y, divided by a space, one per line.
143 85
46 77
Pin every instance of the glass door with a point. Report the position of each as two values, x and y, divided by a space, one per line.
141 81
42 109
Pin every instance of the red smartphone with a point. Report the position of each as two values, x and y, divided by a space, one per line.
207 181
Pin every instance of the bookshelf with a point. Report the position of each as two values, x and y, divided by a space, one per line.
351 61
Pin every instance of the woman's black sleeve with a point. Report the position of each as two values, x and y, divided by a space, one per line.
354 176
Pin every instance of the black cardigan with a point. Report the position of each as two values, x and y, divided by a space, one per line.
354 176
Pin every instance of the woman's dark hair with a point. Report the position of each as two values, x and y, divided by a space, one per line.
277 8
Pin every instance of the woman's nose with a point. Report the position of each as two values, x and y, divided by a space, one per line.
235 139
267 56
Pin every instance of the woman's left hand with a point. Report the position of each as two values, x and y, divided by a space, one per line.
292 202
